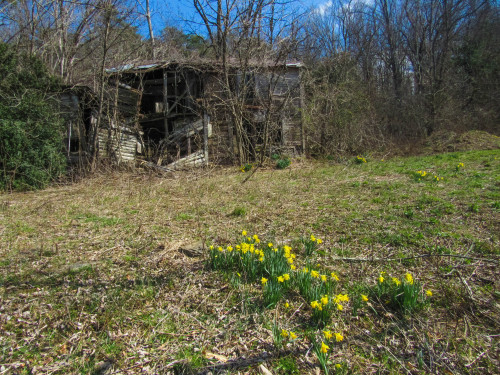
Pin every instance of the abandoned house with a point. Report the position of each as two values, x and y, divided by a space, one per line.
178 114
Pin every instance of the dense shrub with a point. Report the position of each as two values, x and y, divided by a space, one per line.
30 128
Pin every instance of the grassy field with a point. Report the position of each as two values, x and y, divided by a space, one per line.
114 274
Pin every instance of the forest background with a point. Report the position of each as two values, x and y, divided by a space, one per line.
377 74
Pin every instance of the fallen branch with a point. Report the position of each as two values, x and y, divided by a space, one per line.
488 260
250 175
243 362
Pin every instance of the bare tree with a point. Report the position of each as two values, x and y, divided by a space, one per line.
146 8
249 38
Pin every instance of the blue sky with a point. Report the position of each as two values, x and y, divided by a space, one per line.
176 12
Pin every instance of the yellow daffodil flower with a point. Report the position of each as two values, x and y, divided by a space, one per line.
323 278
286 276
328 335
281 279
263 281
364 298
315 274
396 281
340 307
429 293
324 347
284 333
313 239
341 298
324 300
409 278
319 241
339 337
244 233
293 336
287 305
381 279
334 276
292 267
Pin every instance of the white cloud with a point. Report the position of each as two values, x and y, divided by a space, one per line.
322 8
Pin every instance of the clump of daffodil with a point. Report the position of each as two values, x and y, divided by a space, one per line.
322 346
281 336
422 173
459 166
310 244
245 168
419 175
405 293
359 160
323 306
274 266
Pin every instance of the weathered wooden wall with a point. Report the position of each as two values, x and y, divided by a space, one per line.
118 145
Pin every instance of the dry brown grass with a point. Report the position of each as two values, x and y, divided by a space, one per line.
108 276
